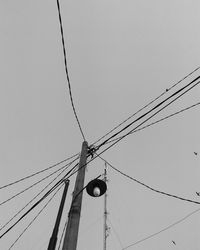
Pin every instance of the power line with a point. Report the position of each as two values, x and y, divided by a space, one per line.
147 186
39 172
162 119
34 184
66 69
27 227
30 209
114 143
155 107
162 230
148 104
14 216
116 234
130 132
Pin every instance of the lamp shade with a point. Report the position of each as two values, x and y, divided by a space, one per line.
96 188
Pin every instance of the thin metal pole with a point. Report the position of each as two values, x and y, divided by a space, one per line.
53 239
71 234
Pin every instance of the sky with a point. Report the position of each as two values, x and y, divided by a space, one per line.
121 55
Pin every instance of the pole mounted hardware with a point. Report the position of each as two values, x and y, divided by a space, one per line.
96 188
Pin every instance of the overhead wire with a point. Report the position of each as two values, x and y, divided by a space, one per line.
39 172
35 197
145 121
162 230
66 70
114 143
46 194
116 234
41 210
147 186
34 184
154 108
30 209
148 104
132 130
160 120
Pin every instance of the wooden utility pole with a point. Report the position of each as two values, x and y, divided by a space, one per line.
71 234
53 239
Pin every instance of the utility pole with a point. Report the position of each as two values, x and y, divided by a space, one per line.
53 239
106 228
71 234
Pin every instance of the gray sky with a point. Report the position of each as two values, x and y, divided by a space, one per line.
121 55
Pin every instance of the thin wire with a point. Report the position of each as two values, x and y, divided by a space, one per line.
41 171
61 238
148 104
12 218
162 230
30 209
130 132
114 143
66 69
147 186
162 119
155 107
27 227
116 234
34 184
122 137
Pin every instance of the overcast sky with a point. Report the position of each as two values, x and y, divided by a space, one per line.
121 55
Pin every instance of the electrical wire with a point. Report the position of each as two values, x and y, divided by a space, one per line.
131 131
34 184
41 171
116 234
162 119
162 230
142 123
147 186
155 107
66 70
30 209
27 227
148 104
36 196
114 143
135 179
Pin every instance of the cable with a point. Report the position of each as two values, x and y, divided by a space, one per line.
143 184
41 171
35 197
162 119
130 132
147 105
47 203
26 189
30 209
66 69
114 143
116 234
162 230
155 107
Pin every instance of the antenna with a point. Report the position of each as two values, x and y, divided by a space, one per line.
106 228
